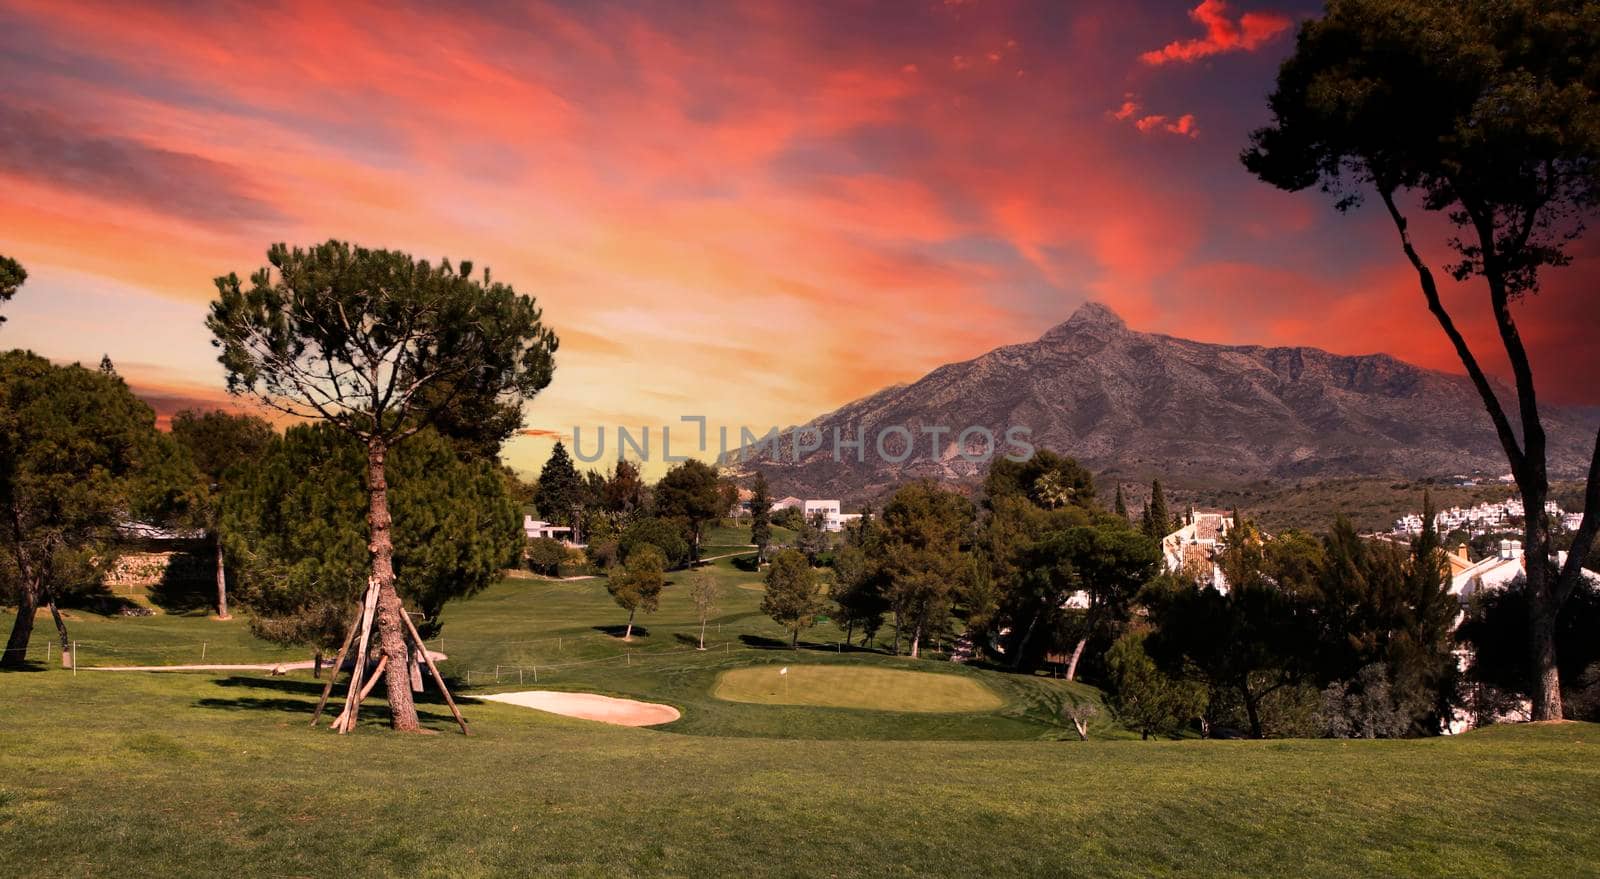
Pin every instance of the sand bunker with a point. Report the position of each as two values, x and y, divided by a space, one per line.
590 706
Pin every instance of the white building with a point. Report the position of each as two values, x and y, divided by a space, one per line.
829 510
537 528
1194 547
1480 519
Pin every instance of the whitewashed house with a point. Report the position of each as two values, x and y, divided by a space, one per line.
1194 547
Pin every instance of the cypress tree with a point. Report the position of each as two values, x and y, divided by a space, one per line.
1157 521
760 516
1121 507
560 488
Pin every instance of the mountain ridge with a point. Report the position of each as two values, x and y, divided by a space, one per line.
1131 404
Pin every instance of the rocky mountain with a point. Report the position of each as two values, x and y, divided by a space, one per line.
1133 405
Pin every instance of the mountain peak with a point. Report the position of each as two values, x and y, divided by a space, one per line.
1089 316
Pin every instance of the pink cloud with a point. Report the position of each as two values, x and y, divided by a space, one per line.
1184 125
1127 109
1223 34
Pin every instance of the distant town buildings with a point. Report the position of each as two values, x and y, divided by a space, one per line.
1485 518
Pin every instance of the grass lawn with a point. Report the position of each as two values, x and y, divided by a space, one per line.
854 686
216 773
205 775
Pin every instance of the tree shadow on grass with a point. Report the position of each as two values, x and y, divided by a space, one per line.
188 584
639 631
309 691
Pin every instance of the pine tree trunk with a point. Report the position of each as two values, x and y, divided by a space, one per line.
1077 652
628 635
896 633
916 639
1022 646
391 629
61 629
1545 687
702 633
16 655
849 632
1546 684
222 583
1252 711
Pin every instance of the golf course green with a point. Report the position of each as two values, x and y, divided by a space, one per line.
854 686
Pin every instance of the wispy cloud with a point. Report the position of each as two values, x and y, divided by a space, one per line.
1222 34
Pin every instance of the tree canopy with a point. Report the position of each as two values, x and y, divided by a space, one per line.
295 527
77 451
690 491
12 274
382 346
636 584
791 598
1485 111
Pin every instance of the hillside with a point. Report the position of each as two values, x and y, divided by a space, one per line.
1132 405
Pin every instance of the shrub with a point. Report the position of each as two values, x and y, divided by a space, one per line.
545 555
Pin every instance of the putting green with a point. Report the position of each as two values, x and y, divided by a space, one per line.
852 686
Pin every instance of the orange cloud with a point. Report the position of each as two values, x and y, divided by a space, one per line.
1183 125
1223 34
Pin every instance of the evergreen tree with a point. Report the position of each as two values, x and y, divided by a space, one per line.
1157 520
857 593
12 275
1486 112
1146 698
77 455
218 443
668 536
295 527
760 516
690 492
559 494
381 346
1121 507
791 596
1103 566
925 561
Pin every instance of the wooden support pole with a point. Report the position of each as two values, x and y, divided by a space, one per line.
352 705
366 689
338 666
437 678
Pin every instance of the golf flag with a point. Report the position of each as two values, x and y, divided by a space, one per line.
784 670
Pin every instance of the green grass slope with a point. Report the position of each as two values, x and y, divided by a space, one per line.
205 775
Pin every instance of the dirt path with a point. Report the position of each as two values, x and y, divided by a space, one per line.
299 665
726 555
590 706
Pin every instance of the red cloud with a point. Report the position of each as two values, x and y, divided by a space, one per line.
1183 125
1127 109
1222 34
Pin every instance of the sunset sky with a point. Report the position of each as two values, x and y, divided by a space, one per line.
752 211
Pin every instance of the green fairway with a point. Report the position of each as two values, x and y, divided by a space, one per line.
891 767
217 774
850 686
